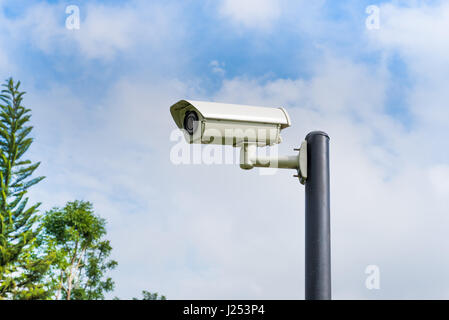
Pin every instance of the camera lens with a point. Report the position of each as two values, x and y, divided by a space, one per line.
191 122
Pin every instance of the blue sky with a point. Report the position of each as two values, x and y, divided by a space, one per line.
100 97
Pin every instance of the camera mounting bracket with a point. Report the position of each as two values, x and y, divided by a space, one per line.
250 159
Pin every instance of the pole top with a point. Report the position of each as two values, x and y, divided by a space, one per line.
316 133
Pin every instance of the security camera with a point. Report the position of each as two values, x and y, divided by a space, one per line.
247 127
229 124
250 128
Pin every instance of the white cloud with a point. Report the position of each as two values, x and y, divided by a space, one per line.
439 178
417 34
415 31
105 31
251 13
217 67
6 67
357 90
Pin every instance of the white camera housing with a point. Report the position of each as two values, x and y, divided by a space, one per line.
247 127
229 124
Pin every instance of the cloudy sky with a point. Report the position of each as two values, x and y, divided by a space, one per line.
100 97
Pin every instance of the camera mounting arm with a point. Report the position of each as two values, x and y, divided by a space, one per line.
250 159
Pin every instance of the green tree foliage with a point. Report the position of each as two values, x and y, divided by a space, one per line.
151 296
59 256
75 234
21 265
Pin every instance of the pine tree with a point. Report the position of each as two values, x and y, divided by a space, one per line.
22 267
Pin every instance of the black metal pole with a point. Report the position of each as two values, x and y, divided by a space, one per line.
318 244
